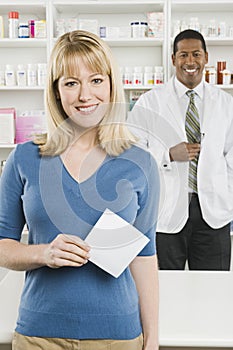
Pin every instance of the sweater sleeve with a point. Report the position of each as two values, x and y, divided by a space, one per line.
148 200
12 218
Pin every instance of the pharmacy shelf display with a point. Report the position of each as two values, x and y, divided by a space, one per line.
117 22
214 20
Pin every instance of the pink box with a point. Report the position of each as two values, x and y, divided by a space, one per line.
28 126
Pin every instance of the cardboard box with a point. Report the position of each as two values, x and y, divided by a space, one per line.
7 125
29 124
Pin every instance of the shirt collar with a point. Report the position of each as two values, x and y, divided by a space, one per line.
181 89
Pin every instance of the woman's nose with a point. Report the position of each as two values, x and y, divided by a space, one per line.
85 92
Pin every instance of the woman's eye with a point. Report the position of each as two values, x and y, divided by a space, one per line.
97 81
71 83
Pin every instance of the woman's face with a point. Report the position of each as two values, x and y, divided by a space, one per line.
85 95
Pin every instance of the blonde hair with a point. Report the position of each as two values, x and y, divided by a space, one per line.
113 135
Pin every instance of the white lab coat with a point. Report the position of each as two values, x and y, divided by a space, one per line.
157 120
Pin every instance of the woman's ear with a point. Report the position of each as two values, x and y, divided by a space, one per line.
57 95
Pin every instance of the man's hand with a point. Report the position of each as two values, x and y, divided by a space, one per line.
184 152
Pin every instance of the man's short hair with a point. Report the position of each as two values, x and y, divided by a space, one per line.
188 34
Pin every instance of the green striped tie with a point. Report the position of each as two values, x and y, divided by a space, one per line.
192 128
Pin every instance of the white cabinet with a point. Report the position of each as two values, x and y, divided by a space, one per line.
16 51
214 19
129 51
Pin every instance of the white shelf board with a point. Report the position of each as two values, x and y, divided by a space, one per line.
138 87
28 42
110 6
202 5
21 88
5 145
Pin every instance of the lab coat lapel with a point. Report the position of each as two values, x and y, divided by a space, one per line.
172 110
210 99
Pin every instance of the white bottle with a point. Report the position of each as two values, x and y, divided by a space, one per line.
148 76
1 27
127 76
183 25
41 74
222 29
158 75
10 75
13 23
176 27
21 75
2 76
137 75
31 74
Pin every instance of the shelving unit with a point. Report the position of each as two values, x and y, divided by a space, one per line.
219 48
128 51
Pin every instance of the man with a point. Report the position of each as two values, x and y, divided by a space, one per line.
188 126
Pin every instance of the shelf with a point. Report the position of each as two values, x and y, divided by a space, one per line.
21 43
227 41
138 87
21 88
202 5
225 87
2 145
38 8
133 42
104 7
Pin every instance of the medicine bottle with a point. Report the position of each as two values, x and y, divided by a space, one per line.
221 65
31 25
148 76
31 75
10 75
127 76
137 75
21 75
13 22
23 30
212 28
143 29
2 76
226 77
41 74
210 75
135 29
158 75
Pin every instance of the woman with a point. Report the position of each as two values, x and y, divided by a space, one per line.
59 186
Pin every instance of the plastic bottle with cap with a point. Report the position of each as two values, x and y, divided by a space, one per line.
21 75
137 75
148 76
31 75
13 21
41 74
10 75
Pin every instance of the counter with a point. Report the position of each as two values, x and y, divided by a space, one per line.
196 308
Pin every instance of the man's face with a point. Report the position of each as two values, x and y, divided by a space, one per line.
189 61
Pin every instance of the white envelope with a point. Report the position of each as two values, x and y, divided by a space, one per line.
114 243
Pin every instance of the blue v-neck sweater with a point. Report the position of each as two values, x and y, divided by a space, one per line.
84 302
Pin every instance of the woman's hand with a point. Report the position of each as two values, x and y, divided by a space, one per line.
66 250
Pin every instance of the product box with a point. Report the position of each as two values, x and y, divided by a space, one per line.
7 125
155 24
133 97
91 25
30 123
40 29
1 27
